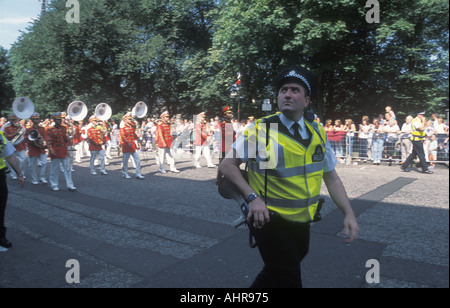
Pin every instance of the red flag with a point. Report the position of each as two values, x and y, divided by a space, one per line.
238 82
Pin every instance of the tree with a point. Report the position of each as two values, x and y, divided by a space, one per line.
184 56
7 94
361 67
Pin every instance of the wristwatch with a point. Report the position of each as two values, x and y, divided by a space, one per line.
252 197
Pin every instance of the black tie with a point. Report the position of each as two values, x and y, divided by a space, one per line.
295 127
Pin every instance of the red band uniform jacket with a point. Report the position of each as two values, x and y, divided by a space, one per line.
164 135
33 149
200 134
57 142
10 132
96 139
128 139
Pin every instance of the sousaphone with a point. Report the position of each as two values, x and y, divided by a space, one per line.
23 107
139 110
77 110
103 112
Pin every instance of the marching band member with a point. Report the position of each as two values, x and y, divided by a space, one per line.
201 142
128 139
77 140
11 133
57 143
84 145
164 140
228 136
37 152
96 136
107 141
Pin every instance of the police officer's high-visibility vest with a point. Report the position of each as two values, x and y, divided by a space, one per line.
417 135
293 184
3 142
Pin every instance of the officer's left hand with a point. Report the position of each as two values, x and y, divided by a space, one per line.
351 228
258 214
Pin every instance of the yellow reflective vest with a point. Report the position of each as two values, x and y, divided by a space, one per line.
294 171
3 142
417 135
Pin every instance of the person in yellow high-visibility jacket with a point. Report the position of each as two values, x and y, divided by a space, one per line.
6 155
417 136
285 176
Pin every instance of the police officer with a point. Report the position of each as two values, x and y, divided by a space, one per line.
417 135
294 175
6 155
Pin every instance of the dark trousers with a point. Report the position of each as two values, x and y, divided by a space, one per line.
282 246
416 151
3 199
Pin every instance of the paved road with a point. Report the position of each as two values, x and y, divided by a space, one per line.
174 230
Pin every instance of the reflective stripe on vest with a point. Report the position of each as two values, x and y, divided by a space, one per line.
417 135
294 184
2 149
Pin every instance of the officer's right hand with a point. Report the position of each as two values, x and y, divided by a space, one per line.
258 214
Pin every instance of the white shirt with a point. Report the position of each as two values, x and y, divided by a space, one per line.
302 127
8 150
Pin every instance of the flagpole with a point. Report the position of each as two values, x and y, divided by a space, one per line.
239 104
238 85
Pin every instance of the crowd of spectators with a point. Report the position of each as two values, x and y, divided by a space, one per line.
382 139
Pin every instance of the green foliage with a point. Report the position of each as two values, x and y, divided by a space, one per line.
6 88
184 56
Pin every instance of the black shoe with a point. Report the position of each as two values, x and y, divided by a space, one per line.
5 243
427 172
404 169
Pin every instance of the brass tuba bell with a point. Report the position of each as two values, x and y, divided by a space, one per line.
77 110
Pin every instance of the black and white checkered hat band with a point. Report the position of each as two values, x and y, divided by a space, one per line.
297 75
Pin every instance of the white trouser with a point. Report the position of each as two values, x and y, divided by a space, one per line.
162 152
35 163
54 172
136 159
79 151
206 153
21 159
101 156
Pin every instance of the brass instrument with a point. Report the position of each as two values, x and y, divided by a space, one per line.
35 137
103 112
102 131
70 135
19 136
77 111
23 108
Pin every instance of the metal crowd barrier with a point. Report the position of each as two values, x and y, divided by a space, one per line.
352 149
